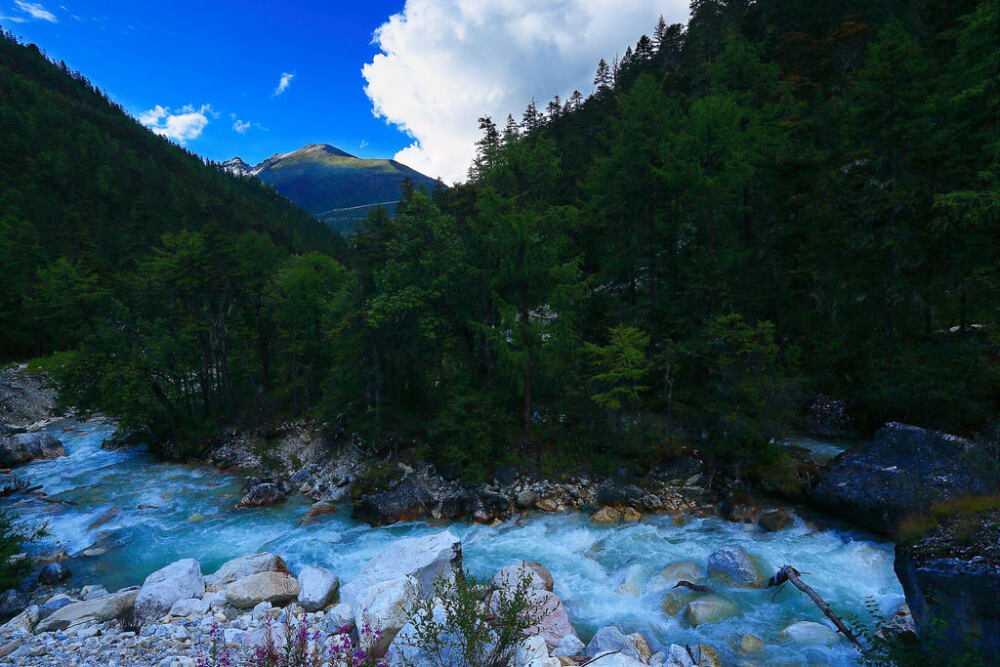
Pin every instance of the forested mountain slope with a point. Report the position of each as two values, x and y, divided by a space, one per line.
157 269
780 200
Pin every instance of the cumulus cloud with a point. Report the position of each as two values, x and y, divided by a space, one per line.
36 11
181 126
286 80
445 63
241 126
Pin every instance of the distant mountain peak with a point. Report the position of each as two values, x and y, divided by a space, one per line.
237 166
330 183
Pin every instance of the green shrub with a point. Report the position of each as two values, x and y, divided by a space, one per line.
479 627
13 537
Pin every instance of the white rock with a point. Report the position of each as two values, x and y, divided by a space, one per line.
259 612
319 588
216 600
188 607
531 649
385 607
570 645
244 567
422 558
275 587
678 656
167 585
100 610
510 576
614 660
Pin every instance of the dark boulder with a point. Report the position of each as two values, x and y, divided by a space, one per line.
772 521
903 470
53 573
491 506
955 602
505 475
265 493
624 495
23 447
12 603
409 500
54 604
457 505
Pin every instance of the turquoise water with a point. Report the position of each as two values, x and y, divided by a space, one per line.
604 575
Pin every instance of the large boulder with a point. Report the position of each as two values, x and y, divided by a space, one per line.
244 566
319 587
177 581
954 598
510 576
733 563
278 588
54 604
610 639
423 558
384 608
107 608
903 470
20 448
23 622
554 624
408 501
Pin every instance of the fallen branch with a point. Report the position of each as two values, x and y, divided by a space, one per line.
790 574
54 501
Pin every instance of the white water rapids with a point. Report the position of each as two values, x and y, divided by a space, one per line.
604 575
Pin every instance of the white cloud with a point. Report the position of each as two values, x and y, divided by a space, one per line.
445 63
286 80
241 126
36 11
181 126
364 143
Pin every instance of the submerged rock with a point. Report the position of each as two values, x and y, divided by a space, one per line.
12 603
901 471
775 520
732 562
810 633
709 609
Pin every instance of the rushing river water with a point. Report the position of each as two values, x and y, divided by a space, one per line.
604 575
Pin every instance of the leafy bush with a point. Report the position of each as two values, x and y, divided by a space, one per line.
469 623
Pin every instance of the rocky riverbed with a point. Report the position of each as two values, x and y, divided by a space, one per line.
178 613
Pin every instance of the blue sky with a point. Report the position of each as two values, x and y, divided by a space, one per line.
377 78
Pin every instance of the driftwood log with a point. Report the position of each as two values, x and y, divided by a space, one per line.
789 574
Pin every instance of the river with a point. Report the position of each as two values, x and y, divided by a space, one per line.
604 575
